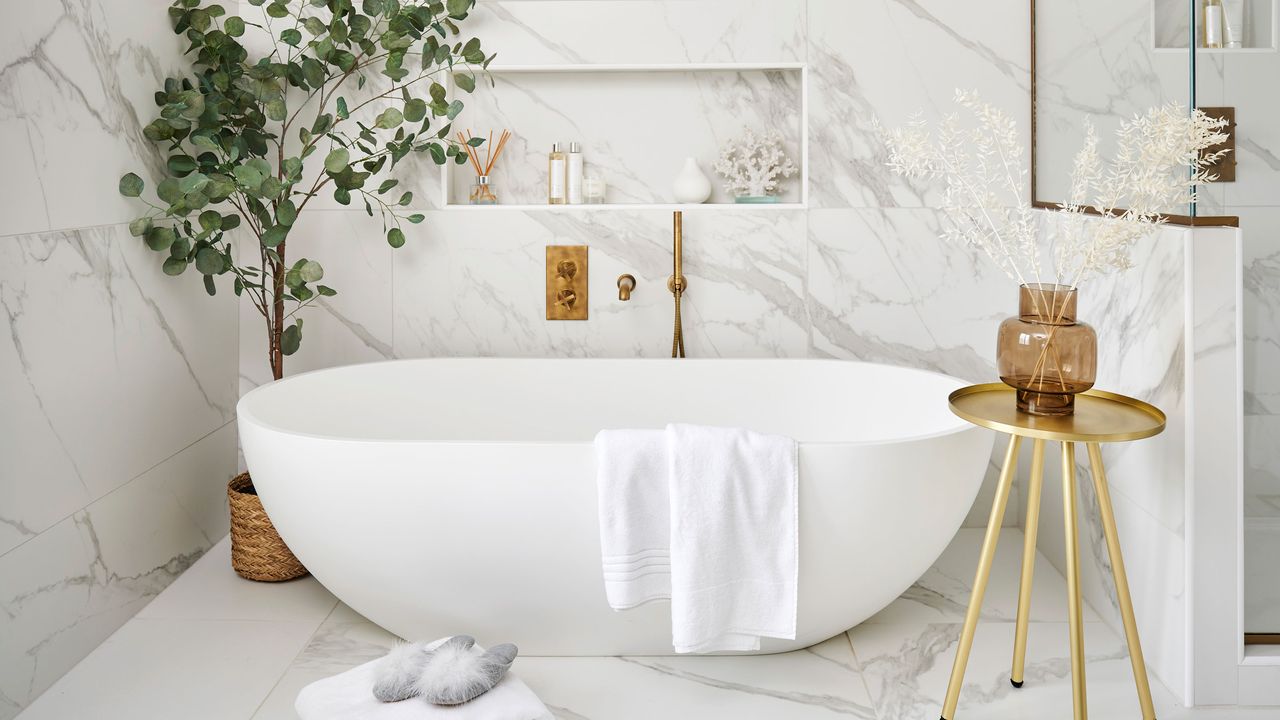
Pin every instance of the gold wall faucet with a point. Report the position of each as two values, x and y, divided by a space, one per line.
626 283
677 284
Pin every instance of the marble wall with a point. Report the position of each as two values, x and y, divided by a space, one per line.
118 384
858 274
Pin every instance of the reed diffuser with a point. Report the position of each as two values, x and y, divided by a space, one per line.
482 192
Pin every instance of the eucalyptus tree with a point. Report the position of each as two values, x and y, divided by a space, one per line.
251 138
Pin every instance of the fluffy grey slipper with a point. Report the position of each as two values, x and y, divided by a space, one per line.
398 672
454 673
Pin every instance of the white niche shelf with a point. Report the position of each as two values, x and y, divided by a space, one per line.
612 109
1171 25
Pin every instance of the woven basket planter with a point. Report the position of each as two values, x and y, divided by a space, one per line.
257 551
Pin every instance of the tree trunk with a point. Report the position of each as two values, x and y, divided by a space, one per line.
277 318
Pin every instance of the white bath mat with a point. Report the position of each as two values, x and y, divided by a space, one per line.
349 696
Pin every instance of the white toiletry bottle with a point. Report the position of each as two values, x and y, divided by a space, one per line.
574 180
555 175
1212 23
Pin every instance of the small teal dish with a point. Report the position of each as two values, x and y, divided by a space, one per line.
756 199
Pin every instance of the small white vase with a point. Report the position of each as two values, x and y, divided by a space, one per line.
691 185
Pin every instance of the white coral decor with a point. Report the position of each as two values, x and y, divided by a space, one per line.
753 165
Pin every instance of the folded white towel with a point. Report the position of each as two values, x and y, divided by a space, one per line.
734 538
349 696
635 516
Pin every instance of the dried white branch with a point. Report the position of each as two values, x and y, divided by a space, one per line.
1161 156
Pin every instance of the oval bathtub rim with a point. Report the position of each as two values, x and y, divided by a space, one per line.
242 415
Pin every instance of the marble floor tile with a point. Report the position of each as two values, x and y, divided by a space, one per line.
214 646
907 666
344 640
211 590
941 595
819 682
170 668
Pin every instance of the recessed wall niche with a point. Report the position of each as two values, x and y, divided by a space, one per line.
636 125
1171 26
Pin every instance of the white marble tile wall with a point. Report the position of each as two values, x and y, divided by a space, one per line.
119 383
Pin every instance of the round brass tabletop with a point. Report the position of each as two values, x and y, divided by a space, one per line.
1099 416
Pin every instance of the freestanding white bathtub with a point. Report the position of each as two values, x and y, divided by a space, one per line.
449 496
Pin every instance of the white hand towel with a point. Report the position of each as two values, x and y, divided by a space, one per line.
734 538
635 516
349 696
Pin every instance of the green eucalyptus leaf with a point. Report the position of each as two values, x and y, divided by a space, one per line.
140 226
230 222
387 185
311 271
274 235
458 8
416 218
313 72
233 26
465 81
181 165
286 212
291 339
131 185
326 291
210 220
437 153
192 183
315 26
248 176
271 187
209 261
209 286
395 237
276 109
160 238
337 160
168 190
455 108
291 36
415 110
405 199
174 266
389 118
342 109
278 10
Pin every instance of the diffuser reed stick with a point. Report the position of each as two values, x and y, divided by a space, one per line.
482 192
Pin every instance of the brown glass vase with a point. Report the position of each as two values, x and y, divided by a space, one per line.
1044 352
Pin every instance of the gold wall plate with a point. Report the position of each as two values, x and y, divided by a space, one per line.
566 282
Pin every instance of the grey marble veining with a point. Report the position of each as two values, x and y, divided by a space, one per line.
887 60
94 332
68 588
76 82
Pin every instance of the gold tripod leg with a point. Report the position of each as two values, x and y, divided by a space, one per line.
1028 562
980 579
1076 626
1122 582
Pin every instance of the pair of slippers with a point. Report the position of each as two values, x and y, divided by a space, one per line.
451 672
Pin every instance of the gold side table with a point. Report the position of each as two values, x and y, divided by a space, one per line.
1099 417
